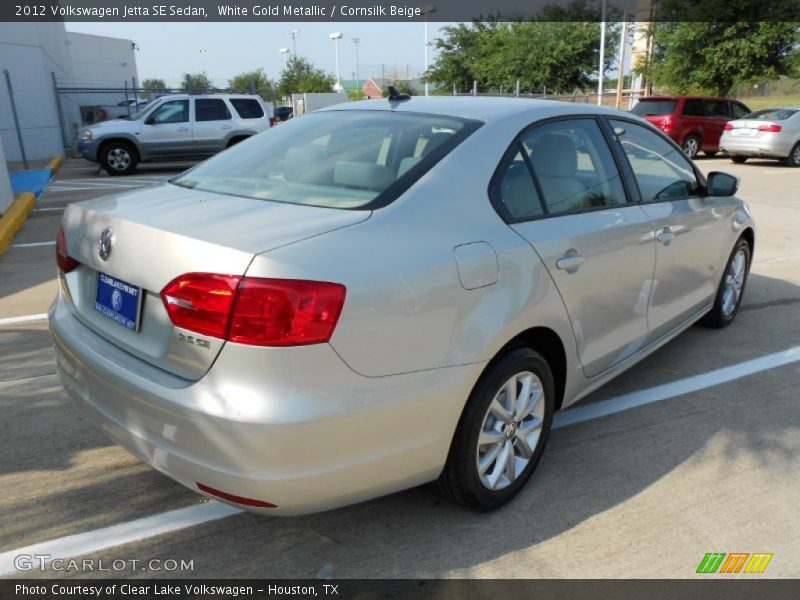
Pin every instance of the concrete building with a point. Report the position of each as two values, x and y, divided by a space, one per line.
34 54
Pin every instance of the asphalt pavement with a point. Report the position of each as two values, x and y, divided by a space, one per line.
706 460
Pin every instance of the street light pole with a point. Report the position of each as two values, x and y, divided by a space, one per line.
285 52
428 9
293 34
602 54
357 41
336 36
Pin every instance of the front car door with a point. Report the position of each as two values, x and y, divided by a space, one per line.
688 227
213 123
717 114
560 188
166 131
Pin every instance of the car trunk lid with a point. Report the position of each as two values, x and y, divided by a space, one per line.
162 233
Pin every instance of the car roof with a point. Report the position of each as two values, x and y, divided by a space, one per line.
483 109
212 95
679 97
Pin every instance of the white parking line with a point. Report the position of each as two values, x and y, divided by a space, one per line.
34 244
124 533
23 319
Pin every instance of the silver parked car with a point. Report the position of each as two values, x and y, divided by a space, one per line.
768 133
388 293
174 127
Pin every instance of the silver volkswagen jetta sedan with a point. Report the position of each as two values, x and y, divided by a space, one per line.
388 293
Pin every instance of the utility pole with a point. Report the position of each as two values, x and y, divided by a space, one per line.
621 70
293 34
336 36
357 41
428 9
602 54
285 52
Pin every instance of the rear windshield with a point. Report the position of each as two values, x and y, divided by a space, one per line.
647 108
248 108
336 159
771 114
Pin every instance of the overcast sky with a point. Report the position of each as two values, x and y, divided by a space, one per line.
222 50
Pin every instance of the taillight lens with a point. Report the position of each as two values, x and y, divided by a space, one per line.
255 311
728 126
272 121
667 123
285 312
201 302
64 261
772 128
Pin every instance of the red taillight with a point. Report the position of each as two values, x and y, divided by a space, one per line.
64 261
666 123
285 312
272 121
201 302
255 311
728 126
772 128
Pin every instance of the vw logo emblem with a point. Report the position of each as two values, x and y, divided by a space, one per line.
106 243
116 300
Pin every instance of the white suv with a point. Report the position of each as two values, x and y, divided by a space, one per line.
175 127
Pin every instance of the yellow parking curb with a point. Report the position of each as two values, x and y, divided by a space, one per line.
56 163
14 217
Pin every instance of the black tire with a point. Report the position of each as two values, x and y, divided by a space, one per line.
691 145
119 157
236 140
739 160
718 317
460 482
793 160
710 154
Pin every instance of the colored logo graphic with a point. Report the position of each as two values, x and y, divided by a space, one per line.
735 562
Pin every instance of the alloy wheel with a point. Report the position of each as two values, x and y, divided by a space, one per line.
734 282
510 431
119 159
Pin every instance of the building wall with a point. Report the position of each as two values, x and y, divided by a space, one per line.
31 52
99 61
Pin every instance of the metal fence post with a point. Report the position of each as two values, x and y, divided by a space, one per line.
16 118
516 90
474 87
60 111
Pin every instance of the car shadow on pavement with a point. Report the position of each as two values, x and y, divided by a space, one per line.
668 456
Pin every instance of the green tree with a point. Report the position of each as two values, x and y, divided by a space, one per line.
195 83
711 57
253 82
559 52
153 85
300 77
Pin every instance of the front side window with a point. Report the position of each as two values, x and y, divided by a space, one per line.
172 111
211 109
248 108
337 159
573 166
662 171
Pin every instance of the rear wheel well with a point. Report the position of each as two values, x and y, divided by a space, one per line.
546 342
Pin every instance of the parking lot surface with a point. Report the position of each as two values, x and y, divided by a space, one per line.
694 450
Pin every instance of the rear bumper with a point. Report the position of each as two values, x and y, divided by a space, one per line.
771 148
294 427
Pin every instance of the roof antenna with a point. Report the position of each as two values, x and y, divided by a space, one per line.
395 96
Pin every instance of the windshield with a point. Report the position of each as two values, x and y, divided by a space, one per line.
654 108
771 114
359 159
140 113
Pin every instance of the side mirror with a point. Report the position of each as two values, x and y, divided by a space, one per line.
722 184
151 120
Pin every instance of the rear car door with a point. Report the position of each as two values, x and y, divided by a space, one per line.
688 229
166 131
717 114
212 124
560 189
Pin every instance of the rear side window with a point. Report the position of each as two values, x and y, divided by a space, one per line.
515 190
662 171
693 108
248 108
337 159
211 109
654 108
716 108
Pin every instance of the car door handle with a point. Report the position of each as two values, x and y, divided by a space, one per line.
227 127
570 262
183 129
666 236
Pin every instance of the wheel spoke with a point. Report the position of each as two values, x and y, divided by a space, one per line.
499 410
511 463
487 459
500 466
523 400
490 437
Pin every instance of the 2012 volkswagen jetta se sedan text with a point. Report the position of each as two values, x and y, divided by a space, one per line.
388 293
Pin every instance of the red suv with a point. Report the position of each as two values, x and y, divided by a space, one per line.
694 122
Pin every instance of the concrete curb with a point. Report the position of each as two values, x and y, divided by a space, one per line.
55 164
14 217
